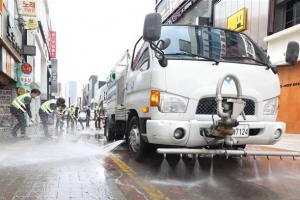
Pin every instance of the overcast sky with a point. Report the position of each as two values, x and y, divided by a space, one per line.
93 34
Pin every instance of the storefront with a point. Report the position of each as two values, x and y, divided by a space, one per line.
289 100
10 56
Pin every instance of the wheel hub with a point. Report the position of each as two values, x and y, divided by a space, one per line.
134 138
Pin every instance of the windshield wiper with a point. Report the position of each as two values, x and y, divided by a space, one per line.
191 55
245 57
273 68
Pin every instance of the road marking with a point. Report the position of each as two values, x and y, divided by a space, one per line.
12 148
153 192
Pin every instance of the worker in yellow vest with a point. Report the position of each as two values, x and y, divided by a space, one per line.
71 115
18 107
48 107
59 122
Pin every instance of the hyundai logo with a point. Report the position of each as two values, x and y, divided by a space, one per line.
228 79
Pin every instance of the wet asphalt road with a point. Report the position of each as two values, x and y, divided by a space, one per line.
74 165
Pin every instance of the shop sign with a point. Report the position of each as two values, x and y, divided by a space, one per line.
52 44
10 35
5 101
177 15
26 68
28 8
166 7
21 90
32 23
54 77
26 79
238 21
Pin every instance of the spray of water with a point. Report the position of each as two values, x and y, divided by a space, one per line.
164 170
197 171
181 170
256 174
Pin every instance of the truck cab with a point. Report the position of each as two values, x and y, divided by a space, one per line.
182 85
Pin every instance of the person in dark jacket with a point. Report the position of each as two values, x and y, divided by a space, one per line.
88 116
18 107
77 117
97 118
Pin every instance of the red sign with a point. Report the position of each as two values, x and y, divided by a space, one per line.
52 44
26 68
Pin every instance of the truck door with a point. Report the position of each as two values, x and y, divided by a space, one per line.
138 77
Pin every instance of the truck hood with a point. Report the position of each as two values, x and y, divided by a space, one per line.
198 78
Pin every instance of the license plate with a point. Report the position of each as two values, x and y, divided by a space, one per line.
241 130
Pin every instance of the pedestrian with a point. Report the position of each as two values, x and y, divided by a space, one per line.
77 117
59 122
88 116
97 118
46 109
18 107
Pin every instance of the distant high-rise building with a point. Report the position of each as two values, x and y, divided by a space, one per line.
71 93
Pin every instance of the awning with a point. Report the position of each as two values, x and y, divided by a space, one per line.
6 80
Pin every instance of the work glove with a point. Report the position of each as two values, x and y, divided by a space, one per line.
32 120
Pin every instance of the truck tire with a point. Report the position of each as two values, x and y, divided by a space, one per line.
110 135
136 143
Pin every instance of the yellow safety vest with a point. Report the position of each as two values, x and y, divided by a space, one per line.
19 101
46 106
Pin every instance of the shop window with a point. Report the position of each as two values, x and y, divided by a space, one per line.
292 15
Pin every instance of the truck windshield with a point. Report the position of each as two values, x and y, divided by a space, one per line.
211 44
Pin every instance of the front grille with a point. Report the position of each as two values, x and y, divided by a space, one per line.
208 106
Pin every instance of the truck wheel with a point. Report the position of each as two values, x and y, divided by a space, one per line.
110 136
135 141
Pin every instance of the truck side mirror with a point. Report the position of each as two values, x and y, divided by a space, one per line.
292 53
152 27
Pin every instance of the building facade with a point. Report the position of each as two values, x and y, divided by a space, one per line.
24 52
91 91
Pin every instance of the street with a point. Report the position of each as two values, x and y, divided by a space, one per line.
75 165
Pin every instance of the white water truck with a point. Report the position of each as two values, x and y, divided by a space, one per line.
195 90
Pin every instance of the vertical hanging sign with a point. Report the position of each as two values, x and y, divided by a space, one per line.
52 44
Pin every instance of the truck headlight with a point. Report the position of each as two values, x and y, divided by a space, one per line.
271 106
172 104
